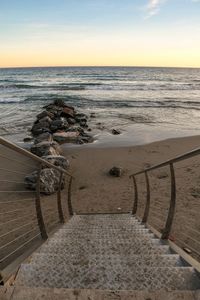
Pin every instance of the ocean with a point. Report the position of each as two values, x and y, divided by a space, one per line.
146 104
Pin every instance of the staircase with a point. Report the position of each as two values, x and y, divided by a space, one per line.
107 252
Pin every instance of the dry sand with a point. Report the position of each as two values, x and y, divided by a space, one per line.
96 191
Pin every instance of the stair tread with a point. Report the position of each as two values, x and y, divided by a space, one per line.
114 252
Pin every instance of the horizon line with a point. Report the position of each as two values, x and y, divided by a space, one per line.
93 66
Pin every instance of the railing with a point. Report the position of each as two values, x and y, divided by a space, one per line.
168 226
27 217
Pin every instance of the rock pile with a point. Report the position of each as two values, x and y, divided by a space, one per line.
56 124
62 124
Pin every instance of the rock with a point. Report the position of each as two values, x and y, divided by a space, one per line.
49 181
39 128
86 138
162 175
83 124
116 131
44 137
69 136
57 160
79 141
67 112
75 128
46 148
53 109
81 118
59 102
116 171
71 121
45 114
89 129
44 120
59 124
93 115
28 139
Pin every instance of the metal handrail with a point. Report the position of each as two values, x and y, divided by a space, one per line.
31 156
170 161
40 217
171 213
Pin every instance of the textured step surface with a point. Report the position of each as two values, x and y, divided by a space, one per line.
66 294
108 252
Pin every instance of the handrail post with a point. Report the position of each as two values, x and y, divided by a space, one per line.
38 208
171 213
70 209
147 207
59 203
134 210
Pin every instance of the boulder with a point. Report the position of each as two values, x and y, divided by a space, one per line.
28 139
39 128
71 121
53 109
68 112
46 148
116 131
92 115
44 120
57 160
59 124
69 136
116 171
83 124
49 181
59 102
44 137
75 128
45 114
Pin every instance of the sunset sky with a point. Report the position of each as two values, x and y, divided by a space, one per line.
100 33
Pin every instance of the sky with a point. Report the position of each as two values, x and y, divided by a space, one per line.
100 33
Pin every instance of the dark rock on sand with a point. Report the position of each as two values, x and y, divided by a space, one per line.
116 131
116 171
28 139
46 148
57 160
49 181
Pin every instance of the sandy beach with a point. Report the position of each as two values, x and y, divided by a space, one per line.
94 190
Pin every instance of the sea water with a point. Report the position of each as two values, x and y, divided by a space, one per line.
146 104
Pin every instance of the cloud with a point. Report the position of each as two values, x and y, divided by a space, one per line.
153 7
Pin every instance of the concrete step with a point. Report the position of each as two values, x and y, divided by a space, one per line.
22 293
104 276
